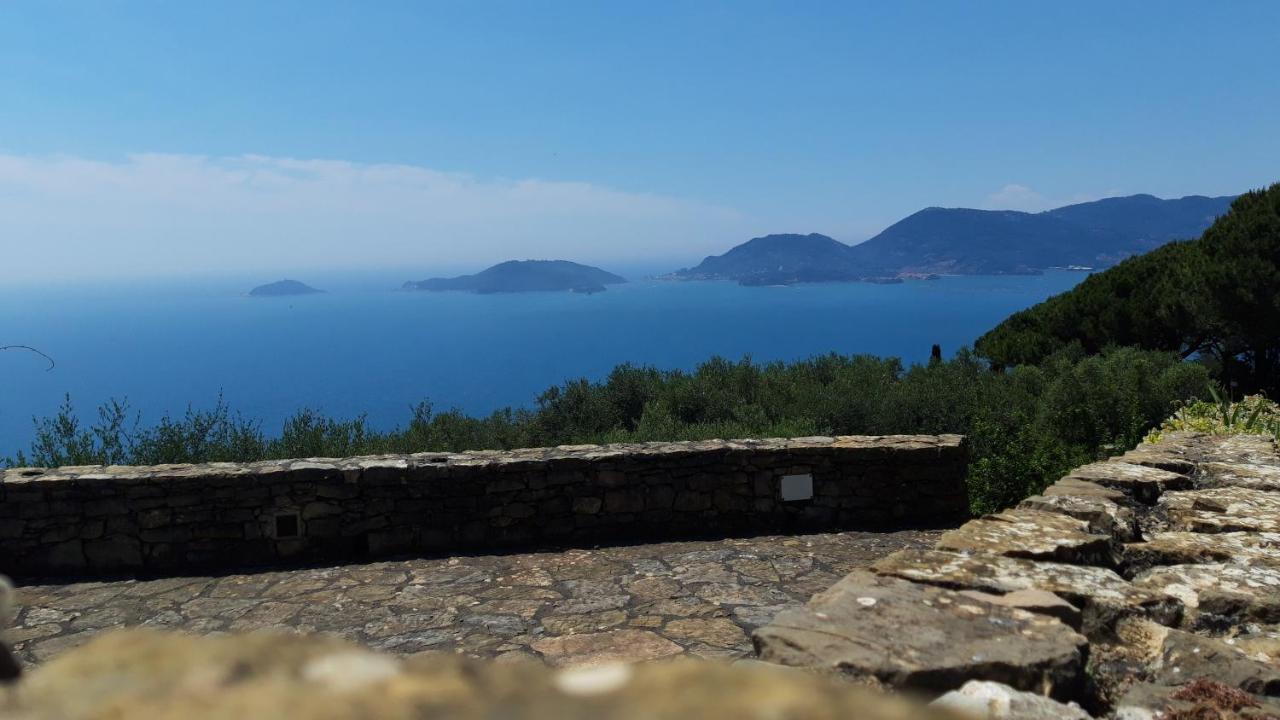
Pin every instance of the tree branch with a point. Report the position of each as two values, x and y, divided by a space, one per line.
52 364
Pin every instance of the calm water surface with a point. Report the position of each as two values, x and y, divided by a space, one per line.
364 347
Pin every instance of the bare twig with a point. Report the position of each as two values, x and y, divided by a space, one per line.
31 349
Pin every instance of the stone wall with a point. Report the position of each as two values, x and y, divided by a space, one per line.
160 519
1116 588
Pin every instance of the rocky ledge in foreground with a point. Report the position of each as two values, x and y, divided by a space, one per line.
168 676
1166 560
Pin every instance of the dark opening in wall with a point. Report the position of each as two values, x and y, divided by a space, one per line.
287 525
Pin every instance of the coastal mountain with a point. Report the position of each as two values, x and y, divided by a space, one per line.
779 260
525 276
283 287
963 241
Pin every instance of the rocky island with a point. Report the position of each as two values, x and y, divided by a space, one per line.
525 276
283 287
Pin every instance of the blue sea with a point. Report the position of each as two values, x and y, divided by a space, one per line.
366 347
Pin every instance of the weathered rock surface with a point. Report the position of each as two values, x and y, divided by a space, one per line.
1194 700
1141 483
1031 534
983 700
1103 596
1218 596
139 674
1103 516
1222 509
1161 456
1188 548
606 647
1258 641
1075 487
1172 657
914 636
1037 601
1246 475
1246 449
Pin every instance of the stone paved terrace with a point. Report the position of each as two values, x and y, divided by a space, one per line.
628 602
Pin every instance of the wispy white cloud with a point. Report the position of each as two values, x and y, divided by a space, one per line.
160 214
1016 197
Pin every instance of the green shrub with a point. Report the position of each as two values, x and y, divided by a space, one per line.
1251 415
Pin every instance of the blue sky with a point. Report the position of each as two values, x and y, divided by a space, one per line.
162 138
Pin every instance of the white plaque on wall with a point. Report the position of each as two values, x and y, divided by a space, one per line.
797 487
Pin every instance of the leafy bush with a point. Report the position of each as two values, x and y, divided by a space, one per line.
1252 415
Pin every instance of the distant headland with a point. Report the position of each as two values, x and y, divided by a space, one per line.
283 287
961 241
516 276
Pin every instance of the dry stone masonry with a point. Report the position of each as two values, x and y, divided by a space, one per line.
1142 586
178 518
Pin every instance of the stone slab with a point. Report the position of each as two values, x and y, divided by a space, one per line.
1031 534
1246 475
1190 548
1040 602
614 646
919 637
1103 596
1171 657
1242 449
1218 596
1075 487
1221 509
1140 483
1104 517
1162 456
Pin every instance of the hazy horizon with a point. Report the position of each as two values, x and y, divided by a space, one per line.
160 141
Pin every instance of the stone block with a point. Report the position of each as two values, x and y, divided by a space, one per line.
1222 509
689 501
1102 595
923 638
114 552
1218 596
1140 483
1032 534
1104 517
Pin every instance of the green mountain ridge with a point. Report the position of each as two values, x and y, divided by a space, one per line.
966 241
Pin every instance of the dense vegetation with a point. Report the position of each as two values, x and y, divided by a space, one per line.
1026 425
1216 298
